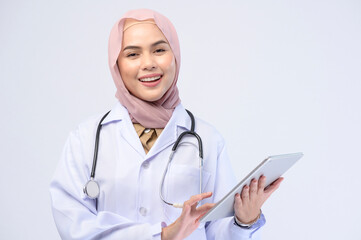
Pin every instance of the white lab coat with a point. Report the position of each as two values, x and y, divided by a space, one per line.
129 206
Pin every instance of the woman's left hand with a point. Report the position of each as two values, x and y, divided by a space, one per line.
247 205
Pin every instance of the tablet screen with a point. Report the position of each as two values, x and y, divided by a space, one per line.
272 167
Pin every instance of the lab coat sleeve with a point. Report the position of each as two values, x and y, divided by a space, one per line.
225 228
75 215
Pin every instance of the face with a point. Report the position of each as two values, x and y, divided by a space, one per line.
146 62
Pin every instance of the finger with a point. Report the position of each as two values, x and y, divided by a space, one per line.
202 210
245 193
196 198
253 189
273 186
237 200
261 184
199 197
200 216
205 207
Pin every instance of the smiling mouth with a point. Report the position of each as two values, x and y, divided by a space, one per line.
150 79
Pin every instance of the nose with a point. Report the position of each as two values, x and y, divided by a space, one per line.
148 62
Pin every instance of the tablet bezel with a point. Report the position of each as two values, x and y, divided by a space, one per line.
272 167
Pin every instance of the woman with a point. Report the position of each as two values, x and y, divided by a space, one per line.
135 143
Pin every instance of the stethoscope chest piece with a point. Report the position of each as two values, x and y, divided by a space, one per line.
91 189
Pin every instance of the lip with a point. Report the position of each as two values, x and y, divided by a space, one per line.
152 83
150 75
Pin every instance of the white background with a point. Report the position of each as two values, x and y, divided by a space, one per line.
273 76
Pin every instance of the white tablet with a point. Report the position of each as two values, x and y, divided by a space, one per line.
272 167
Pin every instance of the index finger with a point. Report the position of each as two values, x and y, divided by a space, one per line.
273 186
196 198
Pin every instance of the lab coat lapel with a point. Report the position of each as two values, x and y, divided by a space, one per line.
179 118
126 128
129 134
179 122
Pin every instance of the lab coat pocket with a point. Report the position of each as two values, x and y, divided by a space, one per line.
183 182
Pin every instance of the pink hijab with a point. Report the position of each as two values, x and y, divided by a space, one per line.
149 114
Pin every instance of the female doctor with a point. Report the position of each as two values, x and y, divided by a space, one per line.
135 143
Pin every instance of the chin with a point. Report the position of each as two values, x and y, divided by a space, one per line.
150 98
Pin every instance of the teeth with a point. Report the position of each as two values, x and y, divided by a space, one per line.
150 79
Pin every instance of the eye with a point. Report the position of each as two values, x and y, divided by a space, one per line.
131 55
159 50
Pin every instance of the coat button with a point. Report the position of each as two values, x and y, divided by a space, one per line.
147 130
146 165
143 211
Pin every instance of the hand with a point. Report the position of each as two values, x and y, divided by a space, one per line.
189 219
247 205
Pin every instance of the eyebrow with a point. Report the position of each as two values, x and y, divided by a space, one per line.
153 45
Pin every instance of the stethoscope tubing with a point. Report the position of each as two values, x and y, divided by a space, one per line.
92 190
96 146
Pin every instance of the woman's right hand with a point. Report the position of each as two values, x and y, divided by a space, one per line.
189 219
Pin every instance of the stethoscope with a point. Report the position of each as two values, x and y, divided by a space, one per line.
92 189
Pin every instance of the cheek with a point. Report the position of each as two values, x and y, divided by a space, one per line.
169 66
128 71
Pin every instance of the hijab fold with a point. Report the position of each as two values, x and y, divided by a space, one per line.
148 114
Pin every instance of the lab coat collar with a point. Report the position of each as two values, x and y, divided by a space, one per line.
179 117
179 122
120 114
117 113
